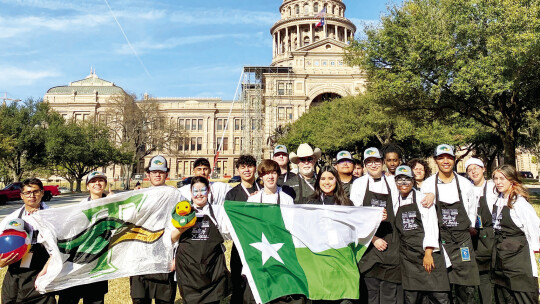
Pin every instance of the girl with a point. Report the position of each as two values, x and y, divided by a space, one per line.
329 189
516 225
423 269
200 260
421 171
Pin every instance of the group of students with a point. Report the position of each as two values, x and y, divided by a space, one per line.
443 238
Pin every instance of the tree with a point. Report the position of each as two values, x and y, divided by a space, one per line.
480 59
22 129
358 122
531 136
78 148
139 129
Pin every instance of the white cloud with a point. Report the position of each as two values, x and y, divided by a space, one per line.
16 26
142 47
15 76
224 16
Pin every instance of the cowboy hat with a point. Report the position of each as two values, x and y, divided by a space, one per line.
304 150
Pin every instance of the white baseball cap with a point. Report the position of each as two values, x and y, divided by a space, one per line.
404 170
15 224
280 149
473 161
372 152
158 163
343 155
444 149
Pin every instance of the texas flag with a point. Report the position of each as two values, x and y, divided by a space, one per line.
322 15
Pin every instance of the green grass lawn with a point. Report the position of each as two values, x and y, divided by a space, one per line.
119 288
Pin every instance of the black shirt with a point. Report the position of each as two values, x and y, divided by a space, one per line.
238 194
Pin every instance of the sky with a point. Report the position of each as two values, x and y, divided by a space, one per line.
176 48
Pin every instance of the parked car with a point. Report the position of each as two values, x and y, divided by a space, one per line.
13 192
185 181
235 179
526 174
64 190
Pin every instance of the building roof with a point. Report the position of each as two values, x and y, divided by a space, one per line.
90 85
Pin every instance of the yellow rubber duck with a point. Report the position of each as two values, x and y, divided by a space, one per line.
183 216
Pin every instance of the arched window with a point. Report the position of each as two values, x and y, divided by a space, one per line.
297 9
306 9
316 8
306 40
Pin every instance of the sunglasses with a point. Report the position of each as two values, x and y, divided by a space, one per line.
305 159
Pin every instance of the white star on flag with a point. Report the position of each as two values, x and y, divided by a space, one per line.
268 250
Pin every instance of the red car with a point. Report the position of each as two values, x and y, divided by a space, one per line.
13 192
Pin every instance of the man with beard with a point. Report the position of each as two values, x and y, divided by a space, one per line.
345 167
303 183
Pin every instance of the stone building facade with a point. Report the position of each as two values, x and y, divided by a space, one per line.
307 68
311 56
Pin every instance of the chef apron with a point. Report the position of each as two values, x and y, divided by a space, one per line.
18 285
454 226
382 265
511 257
200 263
411 235
485 237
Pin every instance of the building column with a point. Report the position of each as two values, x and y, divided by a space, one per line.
336 35
279 41
346 35
274 44
311 33
286 39
298 36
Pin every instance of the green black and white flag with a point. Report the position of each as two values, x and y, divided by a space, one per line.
117 236
302 249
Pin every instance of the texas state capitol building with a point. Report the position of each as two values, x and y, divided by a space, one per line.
307 68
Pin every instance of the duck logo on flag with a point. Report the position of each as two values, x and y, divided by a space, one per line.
98 240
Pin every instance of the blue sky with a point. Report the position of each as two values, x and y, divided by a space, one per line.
189 48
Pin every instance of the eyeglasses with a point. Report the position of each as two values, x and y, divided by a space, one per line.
199 192
403 182
31 193
373 162
305 159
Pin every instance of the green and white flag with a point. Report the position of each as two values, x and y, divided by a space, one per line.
117 236
302 249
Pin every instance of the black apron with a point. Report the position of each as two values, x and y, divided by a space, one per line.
200 263
18 285
485 237
511 256
454 226
411 235
382 265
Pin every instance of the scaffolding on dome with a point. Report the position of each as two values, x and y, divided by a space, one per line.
254 86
